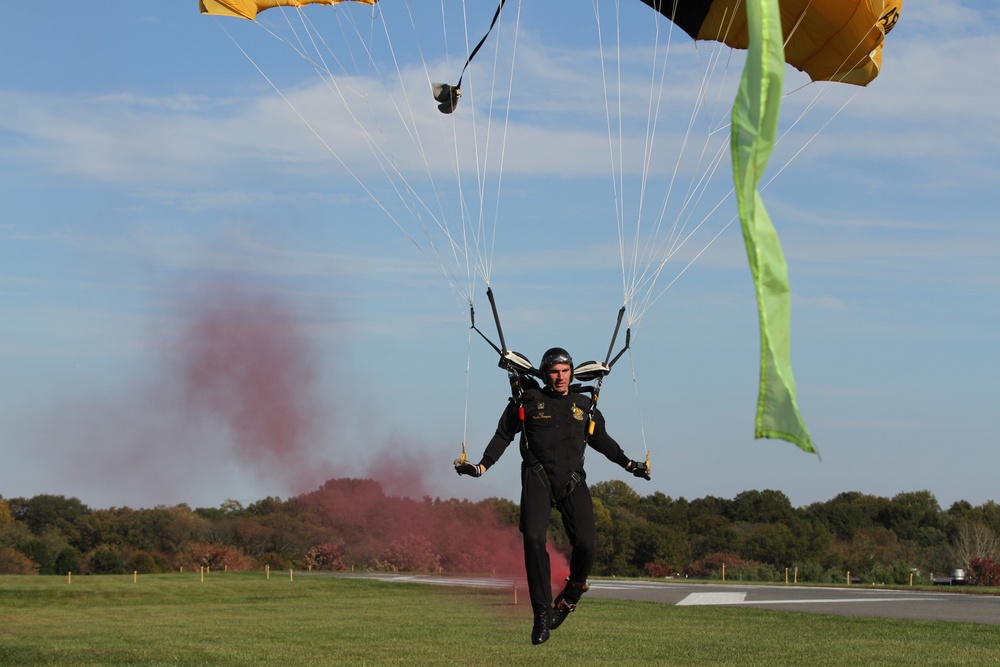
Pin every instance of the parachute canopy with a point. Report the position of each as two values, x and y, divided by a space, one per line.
830 40
248 9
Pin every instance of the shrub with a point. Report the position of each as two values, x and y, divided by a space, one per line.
275 561
411 554
144 562
984 572
13 561
216 557
325 557
657 570
711 565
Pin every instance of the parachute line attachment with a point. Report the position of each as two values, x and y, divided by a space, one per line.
448 95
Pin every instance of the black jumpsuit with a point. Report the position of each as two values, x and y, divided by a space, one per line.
555 431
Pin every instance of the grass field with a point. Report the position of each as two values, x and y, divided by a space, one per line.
246 619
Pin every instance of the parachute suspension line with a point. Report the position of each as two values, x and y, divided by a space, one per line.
485 243
666 249
474 261
813 137
506 129
468 389
659 252
638 408
406 194
618 195
459 251
780 170
660 249
798 22
315 133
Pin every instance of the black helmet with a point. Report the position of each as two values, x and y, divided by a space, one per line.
555 355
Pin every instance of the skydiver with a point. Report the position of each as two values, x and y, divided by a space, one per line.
554 437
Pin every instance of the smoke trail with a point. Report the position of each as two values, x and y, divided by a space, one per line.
246 362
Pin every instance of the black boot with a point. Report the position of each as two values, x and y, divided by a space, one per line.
540 630
566 602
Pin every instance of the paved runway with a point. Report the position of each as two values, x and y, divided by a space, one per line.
845 601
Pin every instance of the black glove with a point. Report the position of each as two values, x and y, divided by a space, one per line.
467 468
638 469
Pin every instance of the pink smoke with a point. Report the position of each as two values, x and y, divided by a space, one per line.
246 361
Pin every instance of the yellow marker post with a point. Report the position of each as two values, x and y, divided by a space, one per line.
135 576
69 577
291 575
723 571
267 571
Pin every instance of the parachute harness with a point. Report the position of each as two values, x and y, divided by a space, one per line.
519 374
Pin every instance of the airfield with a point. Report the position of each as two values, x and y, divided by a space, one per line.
860 600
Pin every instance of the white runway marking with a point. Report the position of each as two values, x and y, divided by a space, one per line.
701 599
822 601
712 598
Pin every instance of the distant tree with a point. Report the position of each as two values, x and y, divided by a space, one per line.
712 533
615 544
962 512
974 540
762 507
916 516
665 511
50 510
870 546
507 511
6 518
106 559
709 506
13 561
659 545
616 494
44 550
68 560
266 506
848 512
769 543
413 553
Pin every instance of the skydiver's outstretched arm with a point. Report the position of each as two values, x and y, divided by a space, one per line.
507 428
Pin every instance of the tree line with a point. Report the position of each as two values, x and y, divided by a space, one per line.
353 523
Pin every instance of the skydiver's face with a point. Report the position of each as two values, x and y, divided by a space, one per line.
557 377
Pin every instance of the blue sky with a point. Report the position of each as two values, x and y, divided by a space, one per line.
152 180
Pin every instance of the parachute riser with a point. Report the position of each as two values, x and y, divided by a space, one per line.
608 364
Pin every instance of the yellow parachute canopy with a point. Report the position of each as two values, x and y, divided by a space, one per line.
830 40
248 8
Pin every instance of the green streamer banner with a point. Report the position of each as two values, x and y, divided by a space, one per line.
755 123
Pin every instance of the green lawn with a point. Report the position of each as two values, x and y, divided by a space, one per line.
246 619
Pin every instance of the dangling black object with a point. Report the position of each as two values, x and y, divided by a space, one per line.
446 94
